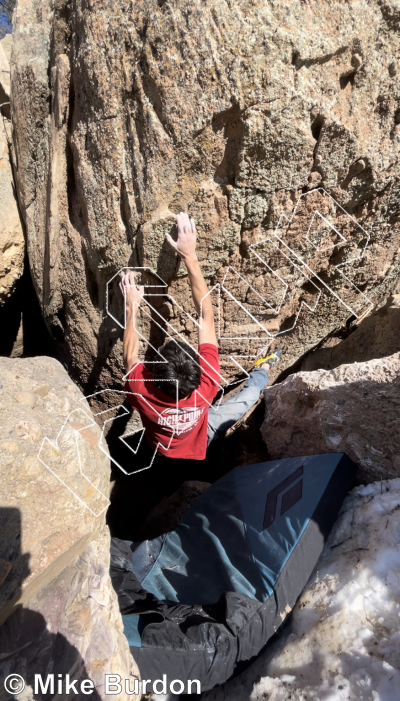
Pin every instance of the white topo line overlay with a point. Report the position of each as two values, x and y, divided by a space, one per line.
74 434
161 289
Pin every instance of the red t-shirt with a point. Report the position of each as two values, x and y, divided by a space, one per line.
179 430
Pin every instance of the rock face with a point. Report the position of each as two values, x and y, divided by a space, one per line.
12 244
58 610
354 409
125 115
376 336
5 84
342 639
6 43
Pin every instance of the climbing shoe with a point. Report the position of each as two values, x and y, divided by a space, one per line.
271 359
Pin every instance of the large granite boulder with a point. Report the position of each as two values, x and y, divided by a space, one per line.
125 115
12 244
354 409
58 610
341 641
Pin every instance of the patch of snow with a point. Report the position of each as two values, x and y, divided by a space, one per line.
343 639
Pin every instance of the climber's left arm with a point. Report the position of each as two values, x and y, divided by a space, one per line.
185 246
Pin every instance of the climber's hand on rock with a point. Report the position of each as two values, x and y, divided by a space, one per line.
185 246
131 290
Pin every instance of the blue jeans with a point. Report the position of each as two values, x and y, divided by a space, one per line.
230 411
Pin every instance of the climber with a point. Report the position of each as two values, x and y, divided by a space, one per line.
177 418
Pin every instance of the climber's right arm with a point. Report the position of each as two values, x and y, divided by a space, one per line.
133 294
185 246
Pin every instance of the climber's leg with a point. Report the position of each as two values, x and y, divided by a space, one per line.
230 411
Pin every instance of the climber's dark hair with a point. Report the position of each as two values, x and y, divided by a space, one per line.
182 365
